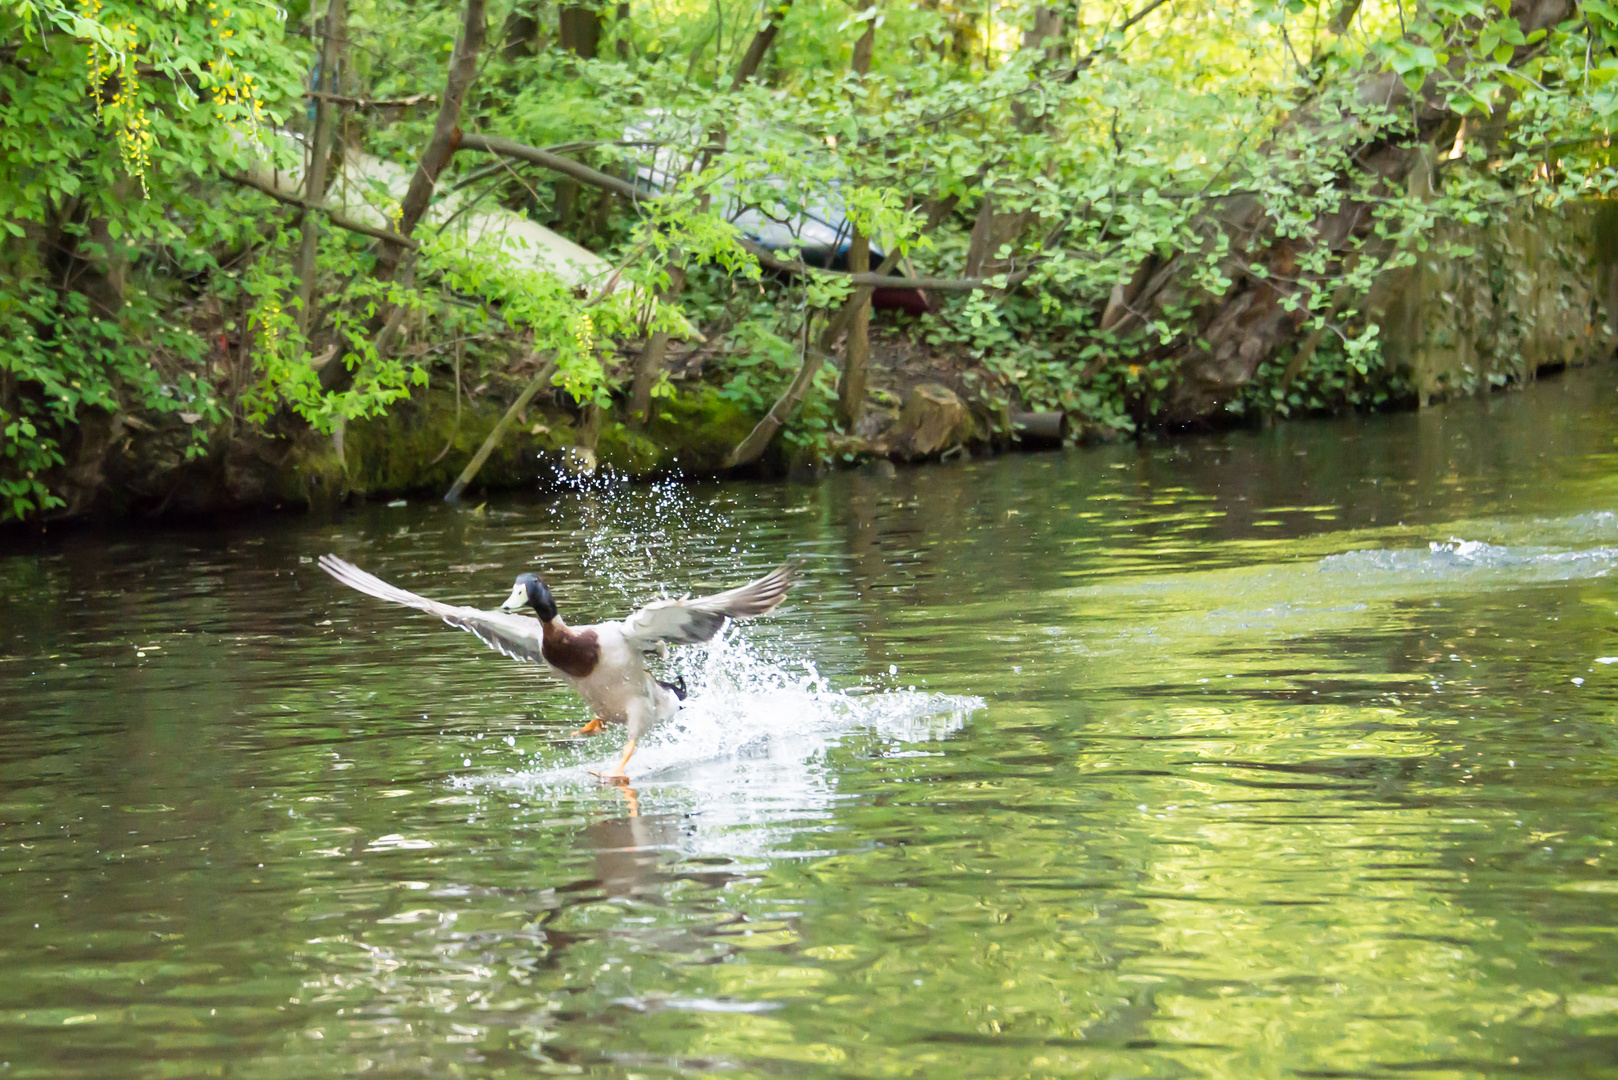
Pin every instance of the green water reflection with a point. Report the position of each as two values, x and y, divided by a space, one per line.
1248 755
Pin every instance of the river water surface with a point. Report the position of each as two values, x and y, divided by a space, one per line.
1260 754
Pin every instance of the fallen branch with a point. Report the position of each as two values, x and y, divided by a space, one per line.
541 378
555 162
758 440
884 281
752 448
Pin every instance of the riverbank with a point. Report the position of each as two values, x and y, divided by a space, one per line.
1533 296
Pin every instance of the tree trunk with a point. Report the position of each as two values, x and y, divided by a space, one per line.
519 36
336 376
758 440
649 366
1250 322
580 30
851 382
1047 25
446 134
815 356
773 18
977 245
857 351
69 253
334 27
860 63
620 25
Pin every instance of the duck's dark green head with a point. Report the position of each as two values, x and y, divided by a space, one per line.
530 591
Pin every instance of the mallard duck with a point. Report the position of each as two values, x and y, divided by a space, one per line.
605 662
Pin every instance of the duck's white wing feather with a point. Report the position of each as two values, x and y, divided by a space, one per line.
516 636
696 619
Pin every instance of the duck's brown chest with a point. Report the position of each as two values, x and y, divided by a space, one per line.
572 652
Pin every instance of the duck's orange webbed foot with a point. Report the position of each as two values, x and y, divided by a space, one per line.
592 727
617 776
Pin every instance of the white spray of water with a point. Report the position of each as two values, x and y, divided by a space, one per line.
633 536
751 721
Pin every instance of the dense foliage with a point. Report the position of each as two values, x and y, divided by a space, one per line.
1110 176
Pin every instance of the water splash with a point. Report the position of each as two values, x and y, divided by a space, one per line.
632 535
753 737
752 720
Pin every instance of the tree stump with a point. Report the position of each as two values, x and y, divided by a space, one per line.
933 419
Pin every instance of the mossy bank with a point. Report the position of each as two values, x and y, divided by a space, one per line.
1534 295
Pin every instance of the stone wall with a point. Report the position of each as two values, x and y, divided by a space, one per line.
1539 292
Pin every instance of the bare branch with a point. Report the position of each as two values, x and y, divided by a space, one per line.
369 103
335 218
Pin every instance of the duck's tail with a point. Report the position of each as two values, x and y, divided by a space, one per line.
677 687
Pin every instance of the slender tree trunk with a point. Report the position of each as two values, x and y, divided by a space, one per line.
815 356
860 62
76 265
977 246
1346 10
857 350
621 22
773 18
851 381
1047 25
758 440
541 379
446 136
579 27
334 27
649 366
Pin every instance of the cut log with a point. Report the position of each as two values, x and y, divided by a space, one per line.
1039 430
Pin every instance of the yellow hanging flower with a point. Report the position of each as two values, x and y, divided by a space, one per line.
584 332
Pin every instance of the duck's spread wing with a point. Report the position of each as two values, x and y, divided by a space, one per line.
694 620
517 636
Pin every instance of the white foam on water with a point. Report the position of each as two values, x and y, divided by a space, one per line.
1456 557
749 755
752 720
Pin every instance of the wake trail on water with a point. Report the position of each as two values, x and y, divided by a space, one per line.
1304 592
1456 559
